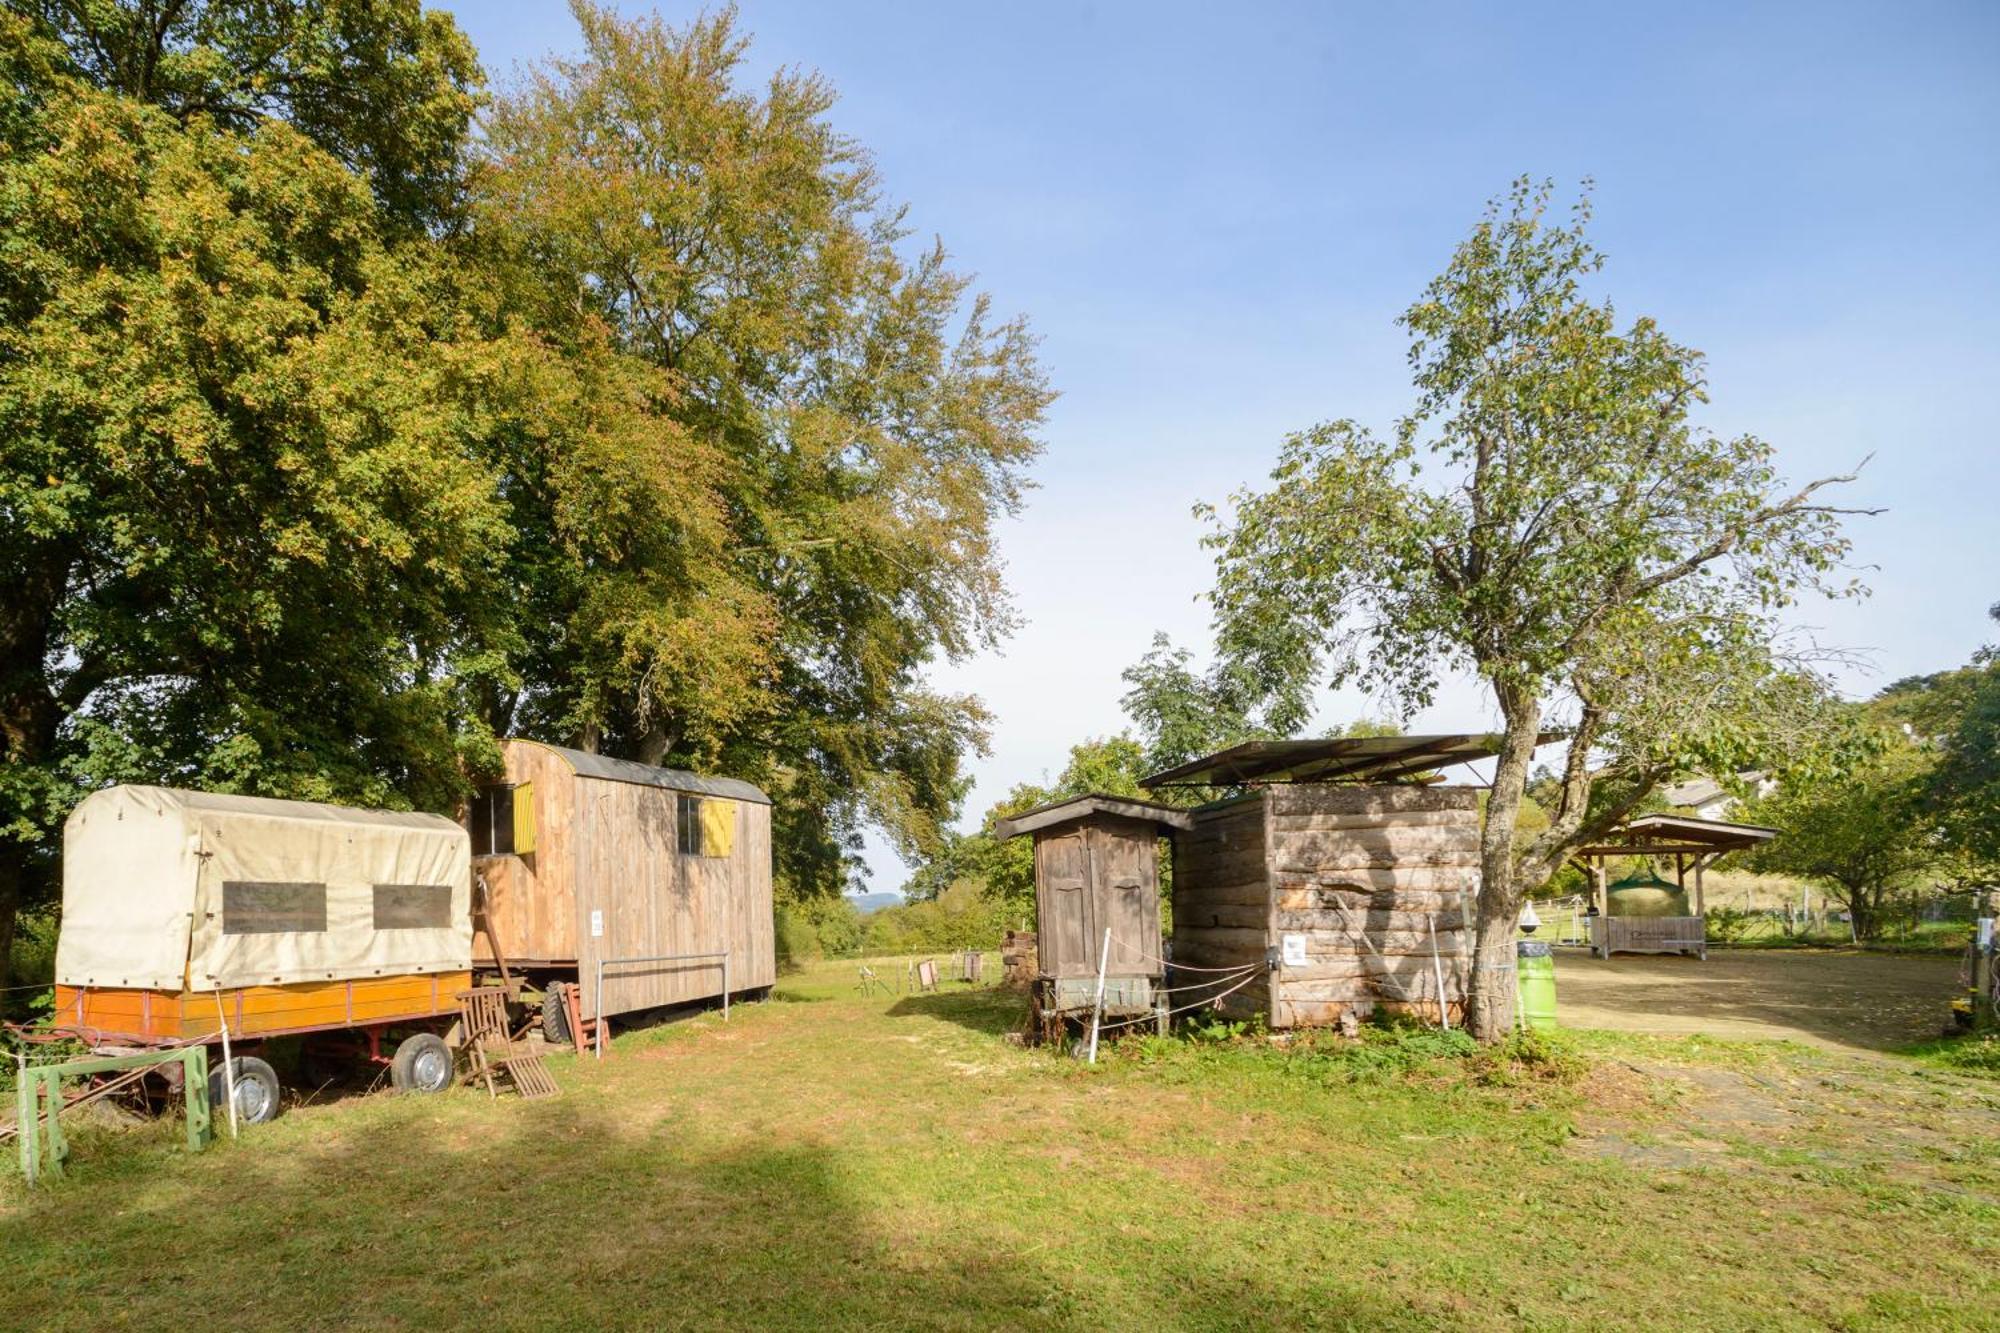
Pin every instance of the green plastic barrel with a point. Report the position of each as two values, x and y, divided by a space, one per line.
1535 965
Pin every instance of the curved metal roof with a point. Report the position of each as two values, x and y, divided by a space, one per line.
604 767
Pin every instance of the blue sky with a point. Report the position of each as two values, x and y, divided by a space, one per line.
1213 214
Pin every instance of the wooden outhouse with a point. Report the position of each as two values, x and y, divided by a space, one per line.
658 874
1346 869
1097 900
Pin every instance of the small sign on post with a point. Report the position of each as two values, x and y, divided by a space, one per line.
1294 950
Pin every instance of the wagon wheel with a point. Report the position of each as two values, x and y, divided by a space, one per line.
555 1016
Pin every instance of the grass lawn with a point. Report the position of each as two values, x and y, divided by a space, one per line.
829 1161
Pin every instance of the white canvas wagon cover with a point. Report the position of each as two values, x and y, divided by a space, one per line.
164 888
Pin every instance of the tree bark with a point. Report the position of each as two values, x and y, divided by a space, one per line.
11 876
1490 1009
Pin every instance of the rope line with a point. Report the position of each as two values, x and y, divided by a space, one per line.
1154 1018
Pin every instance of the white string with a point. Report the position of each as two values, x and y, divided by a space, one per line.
1154 1018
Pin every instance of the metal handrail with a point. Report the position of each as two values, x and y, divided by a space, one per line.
658 958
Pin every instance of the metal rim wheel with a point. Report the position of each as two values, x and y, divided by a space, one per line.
555 1015
257 1097
422 1063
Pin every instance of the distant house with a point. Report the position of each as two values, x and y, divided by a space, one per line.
1705 798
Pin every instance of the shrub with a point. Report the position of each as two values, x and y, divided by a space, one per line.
1527 1056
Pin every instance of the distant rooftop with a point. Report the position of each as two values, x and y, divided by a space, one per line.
1333 759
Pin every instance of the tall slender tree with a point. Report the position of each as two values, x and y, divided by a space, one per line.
857 412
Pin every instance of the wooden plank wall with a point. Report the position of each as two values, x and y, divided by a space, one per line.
1222 899
1383 863
655 901
532 899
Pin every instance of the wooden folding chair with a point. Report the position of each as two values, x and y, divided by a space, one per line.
491 1050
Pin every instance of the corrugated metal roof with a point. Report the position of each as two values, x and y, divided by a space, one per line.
1333 759
587 765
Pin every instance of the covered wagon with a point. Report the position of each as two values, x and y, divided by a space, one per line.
190 914
653 883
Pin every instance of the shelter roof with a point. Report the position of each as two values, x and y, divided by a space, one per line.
1333 759
602 766
1679 833
1076 808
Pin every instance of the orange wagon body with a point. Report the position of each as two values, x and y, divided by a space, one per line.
104 1013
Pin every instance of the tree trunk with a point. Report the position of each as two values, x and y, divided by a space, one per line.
11 876
1490 1008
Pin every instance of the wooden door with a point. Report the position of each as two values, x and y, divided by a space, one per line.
1126 897
1064 921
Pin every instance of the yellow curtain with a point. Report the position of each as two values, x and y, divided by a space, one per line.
718 827
524 819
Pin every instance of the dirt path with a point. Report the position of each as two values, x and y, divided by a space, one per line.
1831 999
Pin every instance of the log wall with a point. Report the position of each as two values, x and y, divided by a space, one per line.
1222 900
1366 875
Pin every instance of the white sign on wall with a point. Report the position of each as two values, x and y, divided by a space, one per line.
1294 950
596 924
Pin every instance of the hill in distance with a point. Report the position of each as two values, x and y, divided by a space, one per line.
865 903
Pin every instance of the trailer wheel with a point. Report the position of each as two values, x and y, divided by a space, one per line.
257 1098
421 1064
555 1015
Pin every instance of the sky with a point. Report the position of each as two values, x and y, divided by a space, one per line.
1212 216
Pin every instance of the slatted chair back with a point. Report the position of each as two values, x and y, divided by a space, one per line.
484 1010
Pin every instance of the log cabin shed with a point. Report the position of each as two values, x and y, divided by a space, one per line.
1347 867
1097 875
586 859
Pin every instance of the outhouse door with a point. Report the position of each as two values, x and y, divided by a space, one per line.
1063 918
1094 878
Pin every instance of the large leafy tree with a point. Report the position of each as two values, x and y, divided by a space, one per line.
1959 712
1869 832
845 423
247 540
386 86
1551 517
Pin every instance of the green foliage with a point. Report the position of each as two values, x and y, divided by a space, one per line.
1185 714
251 544
1958 712
386 86
815 928
854 420
1976 1053
1867 834
961 917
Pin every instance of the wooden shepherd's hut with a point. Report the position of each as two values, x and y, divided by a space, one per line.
1346 868
658 874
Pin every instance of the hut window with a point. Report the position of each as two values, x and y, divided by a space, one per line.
493 821
687 823
704 827
270 907
412 906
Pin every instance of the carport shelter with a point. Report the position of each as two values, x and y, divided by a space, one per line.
1694 845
